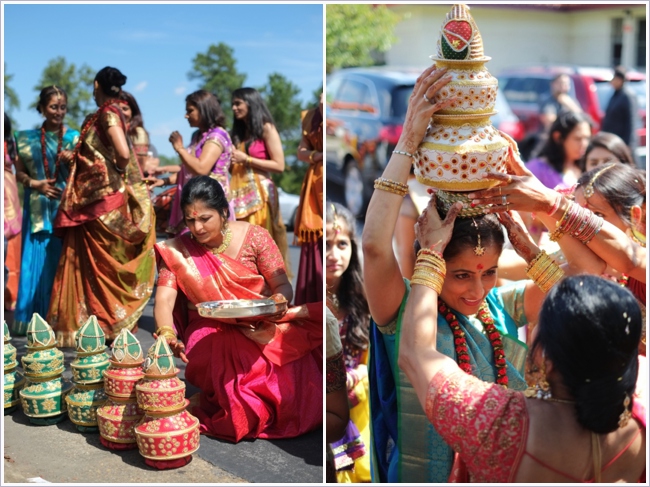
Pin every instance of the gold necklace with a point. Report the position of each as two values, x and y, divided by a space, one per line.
334 300
227 237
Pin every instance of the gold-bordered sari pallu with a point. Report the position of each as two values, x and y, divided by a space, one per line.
107 220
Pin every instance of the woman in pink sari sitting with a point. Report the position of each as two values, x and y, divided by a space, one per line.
584 419
259 378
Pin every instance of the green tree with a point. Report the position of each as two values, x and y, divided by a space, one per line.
281 97
77 83
217 73
11 97
353 31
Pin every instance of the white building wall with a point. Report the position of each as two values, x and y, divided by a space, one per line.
513 37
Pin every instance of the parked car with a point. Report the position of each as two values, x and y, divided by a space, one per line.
526 87
364 117
288 207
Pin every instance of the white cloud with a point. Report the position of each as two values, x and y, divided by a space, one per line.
179 90
140 86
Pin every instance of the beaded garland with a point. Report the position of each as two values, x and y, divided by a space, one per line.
460 343
46 165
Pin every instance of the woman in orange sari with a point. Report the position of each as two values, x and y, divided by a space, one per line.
309 220
106 218
261 377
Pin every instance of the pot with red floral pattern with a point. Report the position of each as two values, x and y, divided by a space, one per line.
461 143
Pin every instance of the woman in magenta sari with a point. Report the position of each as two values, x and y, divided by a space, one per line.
260 378
208 154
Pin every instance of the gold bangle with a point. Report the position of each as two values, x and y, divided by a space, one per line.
249 160
163 330
311 156
544 272
400 189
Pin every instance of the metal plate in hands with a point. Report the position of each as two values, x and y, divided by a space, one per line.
239 308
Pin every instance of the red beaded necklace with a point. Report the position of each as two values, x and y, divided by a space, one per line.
91 121
623 280
46 165
460 343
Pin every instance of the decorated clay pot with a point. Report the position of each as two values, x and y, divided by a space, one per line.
161 394
120 381
116 420
12 382
461 144
168 436
43 364
83 402
44 402
457 150
89 369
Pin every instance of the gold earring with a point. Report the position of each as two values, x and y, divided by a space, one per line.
637 236
625 416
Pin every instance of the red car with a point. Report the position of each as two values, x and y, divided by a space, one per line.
526 87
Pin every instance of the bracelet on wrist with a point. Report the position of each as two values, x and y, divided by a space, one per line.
119 169
395 187
404 153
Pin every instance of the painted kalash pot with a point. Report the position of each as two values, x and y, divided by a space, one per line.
460 142
88 376
12 380
43 397
168 434
119 415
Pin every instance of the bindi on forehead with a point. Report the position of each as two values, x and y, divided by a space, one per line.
479 267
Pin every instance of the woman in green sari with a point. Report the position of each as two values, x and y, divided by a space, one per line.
477 322
42 169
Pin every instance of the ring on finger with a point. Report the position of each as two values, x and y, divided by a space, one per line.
427 98
504 200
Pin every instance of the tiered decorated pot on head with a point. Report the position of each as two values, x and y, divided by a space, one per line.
88 375
168 434
43 397
119 415
12 380
461 143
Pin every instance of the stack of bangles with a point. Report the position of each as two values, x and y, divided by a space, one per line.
167 332
400 189
578 222
430 270
544 271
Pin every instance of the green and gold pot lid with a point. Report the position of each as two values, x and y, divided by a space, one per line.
127 349
160 360
90 338
40 334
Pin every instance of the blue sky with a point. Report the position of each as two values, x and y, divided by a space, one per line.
154 44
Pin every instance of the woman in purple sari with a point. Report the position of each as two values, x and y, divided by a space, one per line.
208 154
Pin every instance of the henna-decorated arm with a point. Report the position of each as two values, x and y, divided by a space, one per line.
382 277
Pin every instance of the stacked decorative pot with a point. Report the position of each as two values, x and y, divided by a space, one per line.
12 380
88 376
43 398
461 143
168 434
119 415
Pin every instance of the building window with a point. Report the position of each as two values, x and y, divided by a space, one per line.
641 44
617 41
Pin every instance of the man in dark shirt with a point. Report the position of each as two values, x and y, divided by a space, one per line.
621 114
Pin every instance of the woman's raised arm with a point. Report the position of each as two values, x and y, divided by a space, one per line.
382 276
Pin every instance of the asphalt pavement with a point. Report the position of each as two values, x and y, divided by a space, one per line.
61 454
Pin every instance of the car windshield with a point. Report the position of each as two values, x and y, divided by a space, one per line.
400 101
